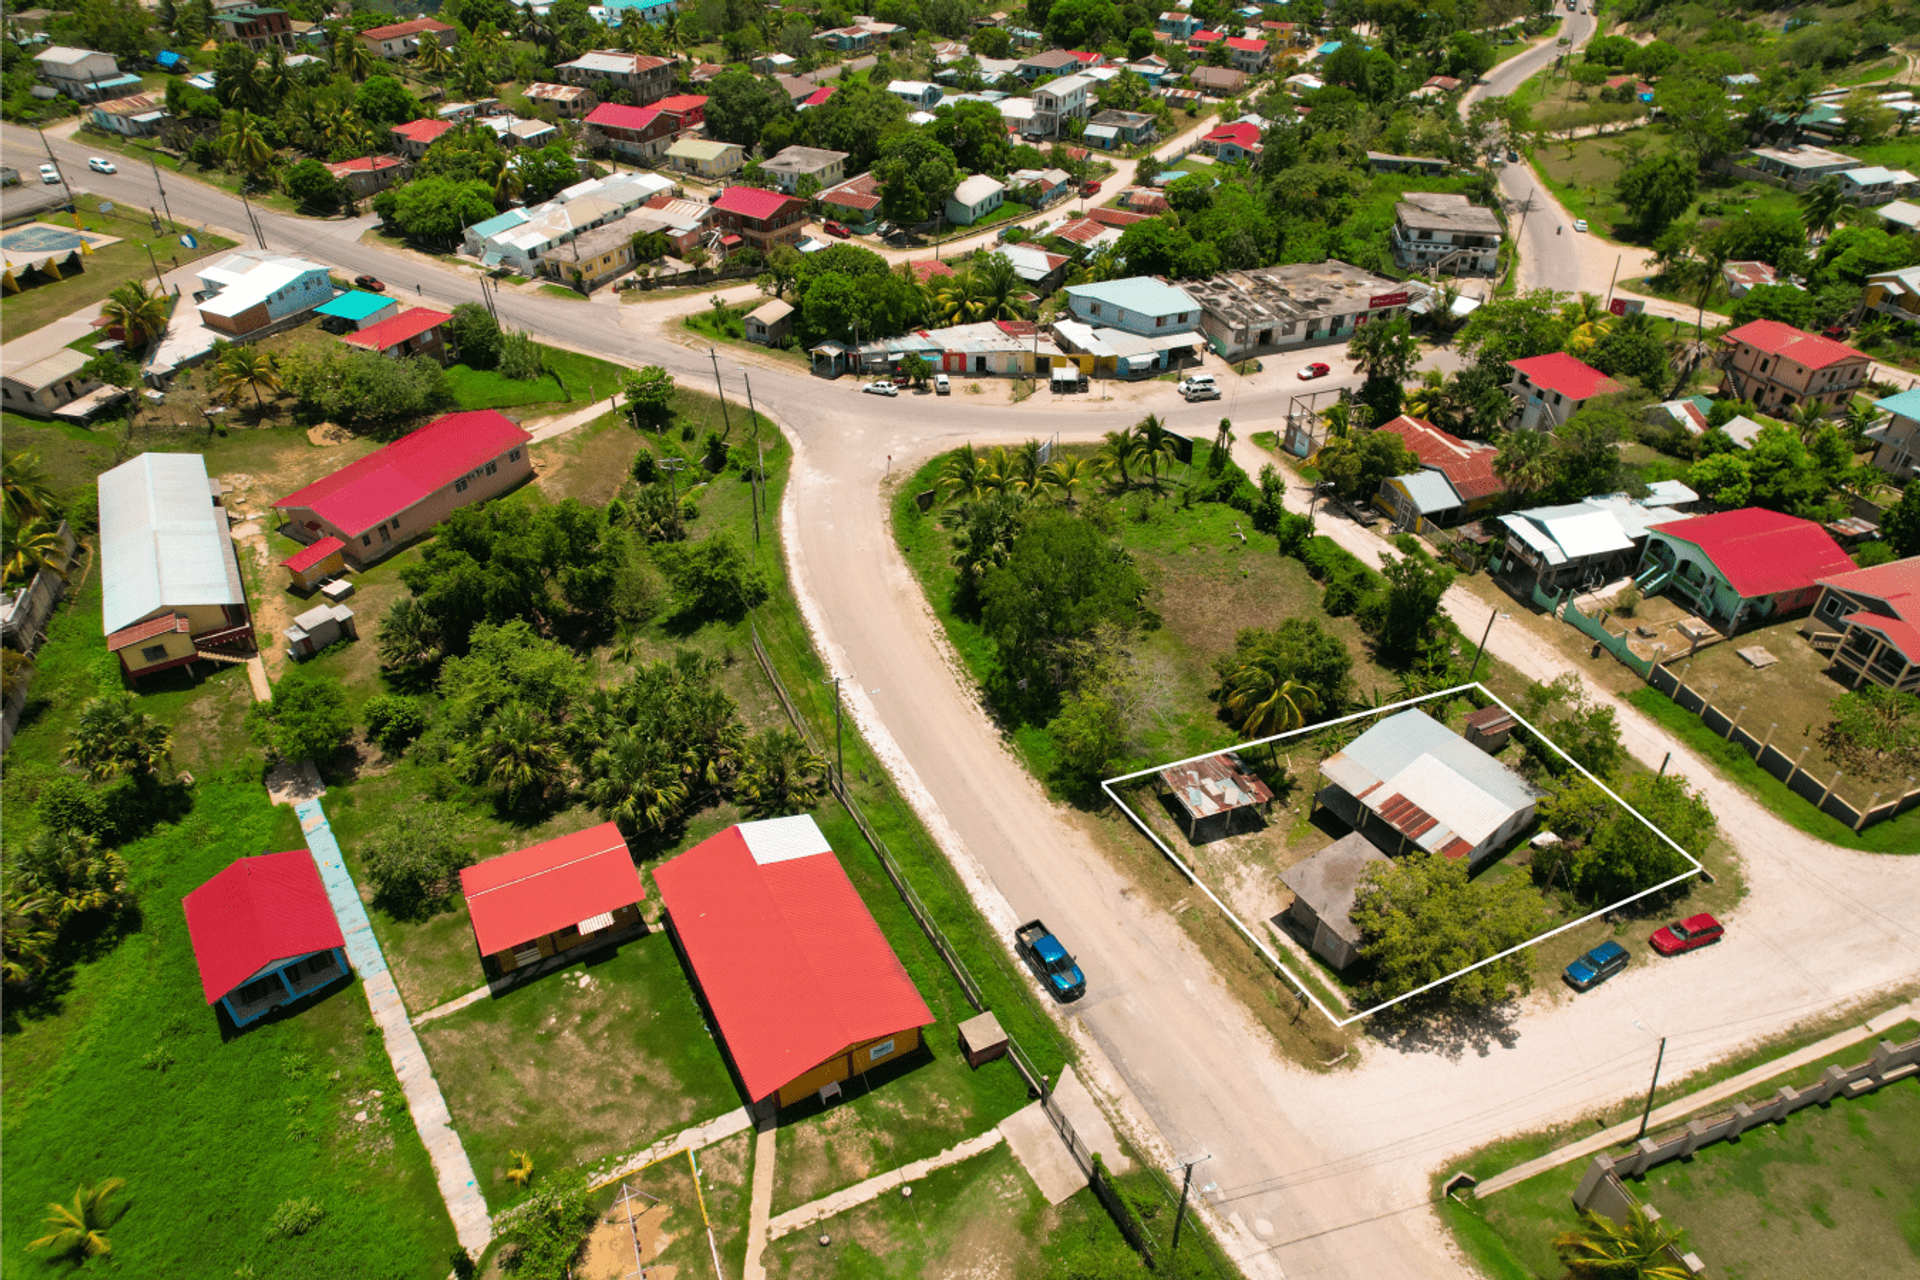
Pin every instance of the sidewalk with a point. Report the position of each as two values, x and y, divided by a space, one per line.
875 1187
1681 1108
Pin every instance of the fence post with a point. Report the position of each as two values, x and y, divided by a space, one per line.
1797 764
1771 727
1872 804
1827 794
1735 722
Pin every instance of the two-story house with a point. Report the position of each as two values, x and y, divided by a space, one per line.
646 77
1111 130
761 218
1144 305
1554 387
85 75
1181 26
403 39
1895 294
1250 56
567 100
1778 367
1066 98
786 169
1445 233
254 27
634 133
1896 442
917 94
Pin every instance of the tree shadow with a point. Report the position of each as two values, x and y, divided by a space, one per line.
1437 1025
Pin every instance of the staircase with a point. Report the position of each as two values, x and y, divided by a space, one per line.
1653 580
1825 641
214 655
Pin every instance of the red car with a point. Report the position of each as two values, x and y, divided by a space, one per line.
1684 935
369 283
1090 189
834 229
1315 371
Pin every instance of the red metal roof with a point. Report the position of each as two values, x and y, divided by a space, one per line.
1898 584
752 202
1245 135
364 164
1574 379
304 559
520 896
410 323
1761 552
1809 349
424 131
612 115
368 491
1206 37
680 104
1245 45
862 193
819 95
927 268
259 910
419 26
1120 217
165 624
789 958
1902 635
1469 469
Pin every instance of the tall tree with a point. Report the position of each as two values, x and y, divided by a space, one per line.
1422 919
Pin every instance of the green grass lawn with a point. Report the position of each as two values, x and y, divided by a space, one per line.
570 379
103 270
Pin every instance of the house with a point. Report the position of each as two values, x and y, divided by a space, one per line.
917 94
1588 542
769 64
1902 217
356 310
1233 143
845 39
787 168
417 331
1877 613
1553 388
1445 233
264 935
1218 82
705 157
85 75
1875 184
1445 84
1111 130
655 12
1778 366
377 504
568 100
1798 167
1897 440
804 989
552 897
253 288
606 252
254 26
52 386
1181 26
368 175
169 577
1039 188
414 137
1118 353
1250 56
816 98
684 221
769 323
1293 306
1895 294
636 133
762 218
975 198
325 624
1044 271
1743 566
688 110
523 238
1085 234
403 39
1456 479
1325 887
1066 98
1689 415
646 77
137 115
1743 277
310 566
514 132
1411 783
1041 66
1144 305
855 202
1386 162
1212 790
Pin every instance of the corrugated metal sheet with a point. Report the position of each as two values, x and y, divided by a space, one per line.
1458 807
1387 761
535 891
163 544
258 911
1429 491
780 839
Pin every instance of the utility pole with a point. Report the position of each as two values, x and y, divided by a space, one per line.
158 280
1647 1114
1186 1183
163 189
1483 646
721 388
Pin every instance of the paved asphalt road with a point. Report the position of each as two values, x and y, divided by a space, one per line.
1310 1175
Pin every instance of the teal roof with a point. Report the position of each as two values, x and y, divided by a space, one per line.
1904 405
1140 295
497 223
357 305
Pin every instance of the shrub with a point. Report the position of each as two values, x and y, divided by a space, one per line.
394 720
412 861
296 1217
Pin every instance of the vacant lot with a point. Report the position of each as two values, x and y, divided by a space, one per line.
103 270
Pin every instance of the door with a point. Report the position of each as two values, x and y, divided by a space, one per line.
385 537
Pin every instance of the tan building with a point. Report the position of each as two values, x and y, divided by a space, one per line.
552 898
569 100
1778 367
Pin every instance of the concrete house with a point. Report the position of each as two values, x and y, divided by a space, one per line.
761 218
370 175
804 988
1445 233
1778 366
855 202
1111 130
1897 440
1218 82
415 136
138 115
1877 614
975 198
254 288
1325 887
1051 62
768 323
379 503
706 158
1067 98
1233 143
53 387
918 94
356 310
1250 56
264 935
255 27
648 78
1895 294
85 75
1412 783
570 101
633 133
1740 567
553 897
1797 168
786 169
1554 387
417 331
1456 479
170 582
1293 306
402 39
1143 304
313 630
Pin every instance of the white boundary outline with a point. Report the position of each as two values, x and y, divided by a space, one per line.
1259 944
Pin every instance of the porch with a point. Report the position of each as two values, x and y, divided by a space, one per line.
285 984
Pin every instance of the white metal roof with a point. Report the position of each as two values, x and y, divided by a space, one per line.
782 839
163 544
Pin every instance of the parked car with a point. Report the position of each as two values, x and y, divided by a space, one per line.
100 164
1685 935
1090 189
881 389
1049 961
369 283
1315 370
1579 224
834 229
49 174
1200 386
941 387
1595 967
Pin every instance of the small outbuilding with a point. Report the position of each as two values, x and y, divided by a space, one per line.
351 312
1490 727
553 897
311 566
1210 791
1324 888
769 323
319 627
264 934
803 985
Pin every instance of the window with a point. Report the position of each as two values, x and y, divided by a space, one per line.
460 485
513 455
154 653
366 539
492 467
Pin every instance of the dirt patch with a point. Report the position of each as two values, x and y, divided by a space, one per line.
833 1150
328 433
615 1242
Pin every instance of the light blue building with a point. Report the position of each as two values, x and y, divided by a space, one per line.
654 11
359 309
1140 305
264 935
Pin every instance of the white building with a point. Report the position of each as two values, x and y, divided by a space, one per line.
520 238
1063 99
1445 233
975 198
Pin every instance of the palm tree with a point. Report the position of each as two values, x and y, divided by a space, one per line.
1821 206
1588 320
516 754
1807 418
275 77
1156 444
964 475
1263 697
28 546
80 1228
27 936
248 367
1427 399
351 58
71 874
636 781
243 143
1023 467
1700 273
1103 264
1637 1249
1526 460
432 59
780 775
113 738
958 298
239 84
1065 477
1120 453
506 181
139 313
998 286
27 490
1344 418
1223 436
408 639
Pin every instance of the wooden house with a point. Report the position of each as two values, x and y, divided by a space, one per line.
264 935
553 897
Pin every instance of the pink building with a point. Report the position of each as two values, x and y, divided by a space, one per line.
385 500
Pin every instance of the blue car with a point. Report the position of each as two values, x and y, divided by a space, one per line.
1050 961
1595 967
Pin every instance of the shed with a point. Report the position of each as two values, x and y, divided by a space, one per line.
264 934
351 312
319 627
1324 888
1212 790
311 566
1490 727
982 1039
769 323
553 897
803 985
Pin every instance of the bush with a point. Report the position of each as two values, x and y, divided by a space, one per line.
308 718
296 1217
476 335
547 1231
412 862
520 357
714 579
394 720
364 390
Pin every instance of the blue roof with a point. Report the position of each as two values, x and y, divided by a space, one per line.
1905 405
1329 48
125 81
168 59
357 305
498 222
1141 295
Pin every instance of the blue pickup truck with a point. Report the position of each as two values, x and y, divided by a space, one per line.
1049 961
